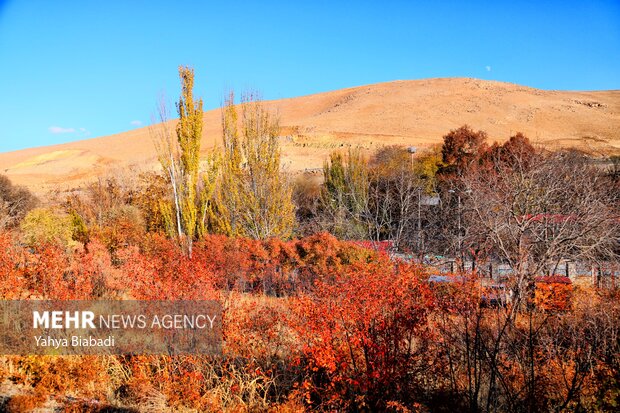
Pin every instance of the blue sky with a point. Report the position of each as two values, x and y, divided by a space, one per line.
74 70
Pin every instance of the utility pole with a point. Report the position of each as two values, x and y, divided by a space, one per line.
459 223
419 219
458 218
412 150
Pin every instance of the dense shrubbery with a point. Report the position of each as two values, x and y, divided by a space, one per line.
15 202
365 335
148 268
317 323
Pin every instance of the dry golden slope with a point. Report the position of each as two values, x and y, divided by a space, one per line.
415 113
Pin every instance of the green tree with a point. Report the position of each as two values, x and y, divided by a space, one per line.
345 194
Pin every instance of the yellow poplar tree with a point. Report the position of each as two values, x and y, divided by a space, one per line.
186 214
345 193
253 198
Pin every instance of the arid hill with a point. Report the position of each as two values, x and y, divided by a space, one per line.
413 113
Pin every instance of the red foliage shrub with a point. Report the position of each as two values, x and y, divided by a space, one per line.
57 376
280 262
25 402
230 259
256 327
456 294
162 272
364 333
52 273
322 256
553 293
12 282
273 266
123 227
48 274
95 264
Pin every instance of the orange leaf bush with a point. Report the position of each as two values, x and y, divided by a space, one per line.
553 293
364 334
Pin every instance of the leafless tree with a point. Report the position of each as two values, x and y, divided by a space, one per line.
15 202
530 211
374 199
534 214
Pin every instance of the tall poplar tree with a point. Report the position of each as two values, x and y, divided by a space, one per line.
186 213
345 194
253 199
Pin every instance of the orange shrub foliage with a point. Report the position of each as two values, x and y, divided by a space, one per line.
553 293
95 265
364 334
58 376
49 271
457 294
162 272
273 266
124 226
322 321
11 281
230 260
256 327
53 274
48 274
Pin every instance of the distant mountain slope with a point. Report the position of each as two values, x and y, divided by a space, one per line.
417 113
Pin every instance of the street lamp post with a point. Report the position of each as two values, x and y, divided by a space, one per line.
412 150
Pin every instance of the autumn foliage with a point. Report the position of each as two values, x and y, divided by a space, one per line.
365 335
553 293
320 324
316 323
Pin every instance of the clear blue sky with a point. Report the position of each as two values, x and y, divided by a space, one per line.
72 70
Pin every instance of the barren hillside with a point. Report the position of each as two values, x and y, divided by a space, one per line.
408 113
